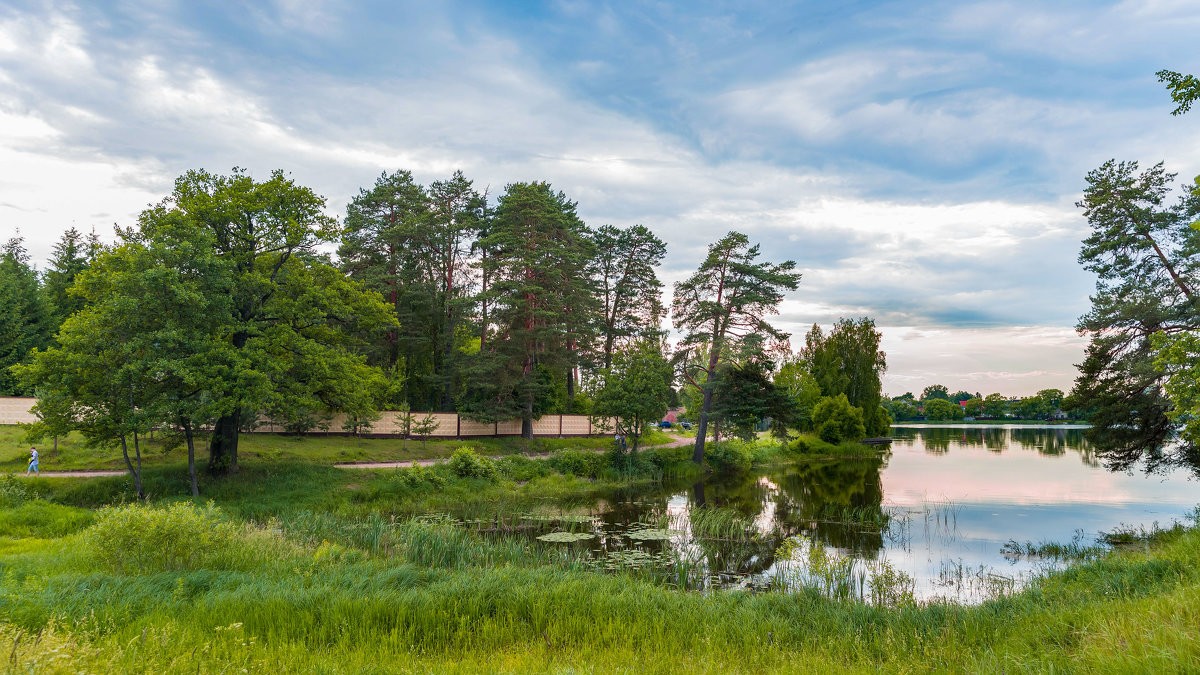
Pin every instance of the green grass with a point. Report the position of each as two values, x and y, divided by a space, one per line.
809 445
73 454
428 596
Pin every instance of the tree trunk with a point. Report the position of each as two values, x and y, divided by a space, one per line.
527 419
570 390
191 445
702 425
447 354
135 472
222 450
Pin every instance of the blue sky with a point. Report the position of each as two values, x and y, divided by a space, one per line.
919 161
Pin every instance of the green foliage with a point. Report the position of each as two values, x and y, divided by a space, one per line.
42 519
630 293
181 536
635 390
420 476
837 421
935 391
730 456
520 468
744 395
938 409
795 379
71 257
1142 251
25 322
578 463
466 463
1185 89
901 409
848 361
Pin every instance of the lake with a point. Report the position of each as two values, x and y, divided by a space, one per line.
947 512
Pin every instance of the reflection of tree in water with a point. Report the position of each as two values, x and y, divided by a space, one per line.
815 497
1052 441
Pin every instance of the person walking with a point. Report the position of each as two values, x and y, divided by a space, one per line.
33 461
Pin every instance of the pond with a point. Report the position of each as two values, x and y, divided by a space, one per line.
948 513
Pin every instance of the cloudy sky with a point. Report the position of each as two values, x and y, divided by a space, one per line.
919 161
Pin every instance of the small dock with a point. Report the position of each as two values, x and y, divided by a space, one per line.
876 441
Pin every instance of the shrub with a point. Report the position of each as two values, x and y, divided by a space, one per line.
836 420
730 456
13 492
419 476
578 463
466 463
182 536
516 467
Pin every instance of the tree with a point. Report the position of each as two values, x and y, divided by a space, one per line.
974 407
635 390
294 325
795 380
1185 89
935 391
960 396
424 428
1144 255
25 324
848 361
940 409
901 409
541 304
630 292
720 306
70 258
995 405
744 395
837 421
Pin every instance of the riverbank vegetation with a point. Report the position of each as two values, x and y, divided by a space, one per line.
296 581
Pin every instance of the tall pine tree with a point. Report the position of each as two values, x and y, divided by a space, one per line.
25 323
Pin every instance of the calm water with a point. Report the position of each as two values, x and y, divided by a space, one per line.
952 497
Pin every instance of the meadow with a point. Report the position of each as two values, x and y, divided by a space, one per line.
293 565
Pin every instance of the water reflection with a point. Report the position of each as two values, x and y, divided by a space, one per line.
939 508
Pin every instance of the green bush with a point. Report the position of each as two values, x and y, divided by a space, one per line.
13 492
836 420
419 476
578 463
182 536
466 463
730 456
518 468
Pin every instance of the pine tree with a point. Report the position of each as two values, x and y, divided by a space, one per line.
25 324
70 258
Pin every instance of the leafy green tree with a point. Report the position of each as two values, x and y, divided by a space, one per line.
294 323
1185 89
995 405
935 391
794 379
630 292
901 409
960 396
25 323
635 390
723 304
848 361
940 409
424 428
70 258
837 421
744 395
541 304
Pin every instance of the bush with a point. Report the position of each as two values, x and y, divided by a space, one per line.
181 536
836 420
419 476
730 456
466 463
516 467
578 463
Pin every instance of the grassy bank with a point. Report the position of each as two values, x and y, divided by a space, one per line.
193 589
73 454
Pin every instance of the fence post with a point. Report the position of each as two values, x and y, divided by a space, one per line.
560 425
458 425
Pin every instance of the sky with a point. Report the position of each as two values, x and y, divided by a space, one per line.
919 161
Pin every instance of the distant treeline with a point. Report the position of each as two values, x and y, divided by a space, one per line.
938 404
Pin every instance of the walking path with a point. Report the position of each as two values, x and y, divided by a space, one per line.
361 465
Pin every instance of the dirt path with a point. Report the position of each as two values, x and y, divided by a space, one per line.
362 465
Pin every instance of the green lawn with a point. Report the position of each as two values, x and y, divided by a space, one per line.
72 454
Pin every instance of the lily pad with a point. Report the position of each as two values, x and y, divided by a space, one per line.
566 536
652 534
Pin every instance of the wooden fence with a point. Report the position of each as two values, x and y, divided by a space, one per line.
449 425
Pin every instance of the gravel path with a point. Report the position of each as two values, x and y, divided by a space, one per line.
348 465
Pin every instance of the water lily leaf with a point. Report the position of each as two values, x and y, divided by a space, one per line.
565 536
651 534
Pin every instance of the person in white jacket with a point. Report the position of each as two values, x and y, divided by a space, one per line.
33 461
